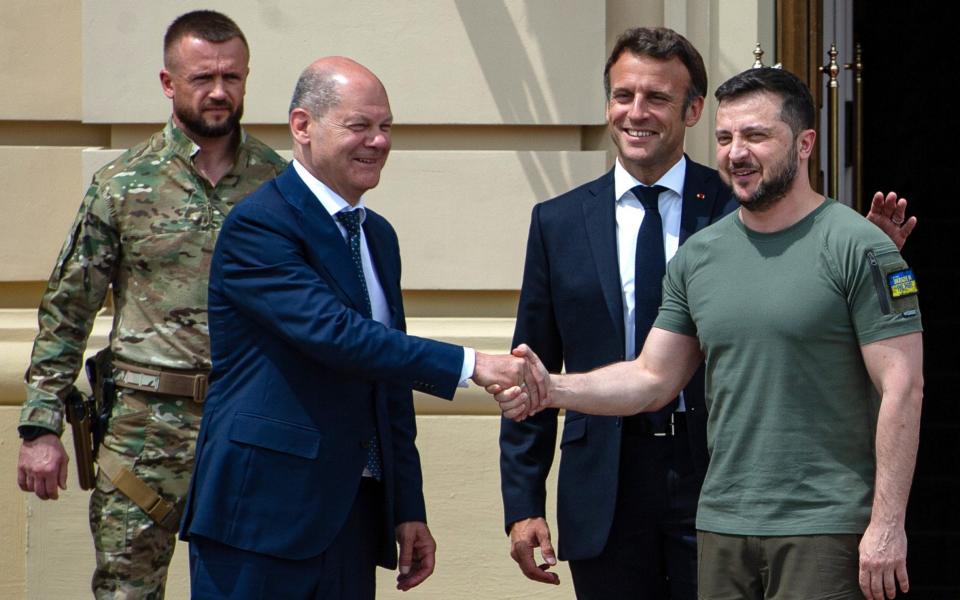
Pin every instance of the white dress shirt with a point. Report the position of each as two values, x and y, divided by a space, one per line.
629 214
333 203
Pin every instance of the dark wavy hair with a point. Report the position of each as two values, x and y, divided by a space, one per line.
796 110
663 44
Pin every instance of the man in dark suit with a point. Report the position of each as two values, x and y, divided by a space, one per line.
627 488
306 473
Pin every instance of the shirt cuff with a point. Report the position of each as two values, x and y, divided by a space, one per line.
469 364
28 433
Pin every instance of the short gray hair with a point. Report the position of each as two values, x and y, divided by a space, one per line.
316 92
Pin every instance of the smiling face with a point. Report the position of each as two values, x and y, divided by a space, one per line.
645 113
206 82
347 146
758 155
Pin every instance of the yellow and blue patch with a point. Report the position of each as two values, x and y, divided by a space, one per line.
902 283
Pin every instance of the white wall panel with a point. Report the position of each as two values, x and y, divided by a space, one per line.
442 61
38 200
463 217
40 60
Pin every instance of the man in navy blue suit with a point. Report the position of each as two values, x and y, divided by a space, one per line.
307 476
628 487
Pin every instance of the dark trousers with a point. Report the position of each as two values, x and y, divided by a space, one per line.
799 567
651 553
345 571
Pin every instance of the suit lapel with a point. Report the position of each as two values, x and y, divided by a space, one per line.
599 218
701 193
326 250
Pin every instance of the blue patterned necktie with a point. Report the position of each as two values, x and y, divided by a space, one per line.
650 265
350 219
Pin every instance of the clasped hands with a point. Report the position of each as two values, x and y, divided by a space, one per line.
518 381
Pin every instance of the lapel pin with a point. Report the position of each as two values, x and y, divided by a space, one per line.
700 196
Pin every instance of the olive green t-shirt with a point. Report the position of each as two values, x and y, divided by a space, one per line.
792 412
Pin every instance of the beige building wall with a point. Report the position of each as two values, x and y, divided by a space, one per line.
498 105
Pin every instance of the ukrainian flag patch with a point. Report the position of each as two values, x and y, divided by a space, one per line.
902 283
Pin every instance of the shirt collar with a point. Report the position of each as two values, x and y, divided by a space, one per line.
332 202
623 181
181 145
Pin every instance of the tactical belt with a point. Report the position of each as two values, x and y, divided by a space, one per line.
192 384
174 383
163 513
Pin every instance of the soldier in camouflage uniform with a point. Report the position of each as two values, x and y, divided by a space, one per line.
146 227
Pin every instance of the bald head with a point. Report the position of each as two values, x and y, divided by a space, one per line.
320 86
340 121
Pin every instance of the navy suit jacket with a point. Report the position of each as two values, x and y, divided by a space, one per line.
571 313
302 379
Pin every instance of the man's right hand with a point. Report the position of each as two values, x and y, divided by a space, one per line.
42 467
525 535
510 397
500 372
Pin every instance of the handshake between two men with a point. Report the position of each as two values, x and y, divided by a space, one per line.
518 382
646 384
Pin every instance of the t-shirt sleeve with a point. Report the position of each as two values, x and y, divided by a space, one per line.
884 294
674 312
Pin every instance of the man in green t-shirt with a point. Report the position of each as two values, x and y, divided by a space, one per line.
807 318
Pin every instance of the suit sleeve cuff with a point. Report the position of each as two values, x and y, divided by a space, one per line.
469 364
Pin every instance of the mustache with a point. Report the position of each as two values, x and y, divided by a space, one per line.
218 104
744 164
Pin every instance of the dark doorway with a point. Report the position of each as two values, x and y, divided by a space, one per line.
911 125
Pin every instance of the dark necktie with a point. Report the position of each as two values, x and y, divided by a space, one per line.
650 265
350 219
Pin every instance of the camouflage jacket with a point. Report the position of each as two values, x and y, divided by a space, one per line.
147 225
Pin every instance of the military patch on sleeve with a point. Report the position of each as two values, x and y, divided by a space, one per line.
902 283
894 283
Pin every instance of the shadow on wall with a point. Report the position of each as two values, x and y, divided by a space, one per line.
525 81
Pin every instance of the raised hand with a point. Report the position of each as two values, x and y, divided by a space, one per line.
889 214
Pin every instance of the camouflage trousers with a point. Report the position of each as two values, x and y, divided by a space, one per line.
154 436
